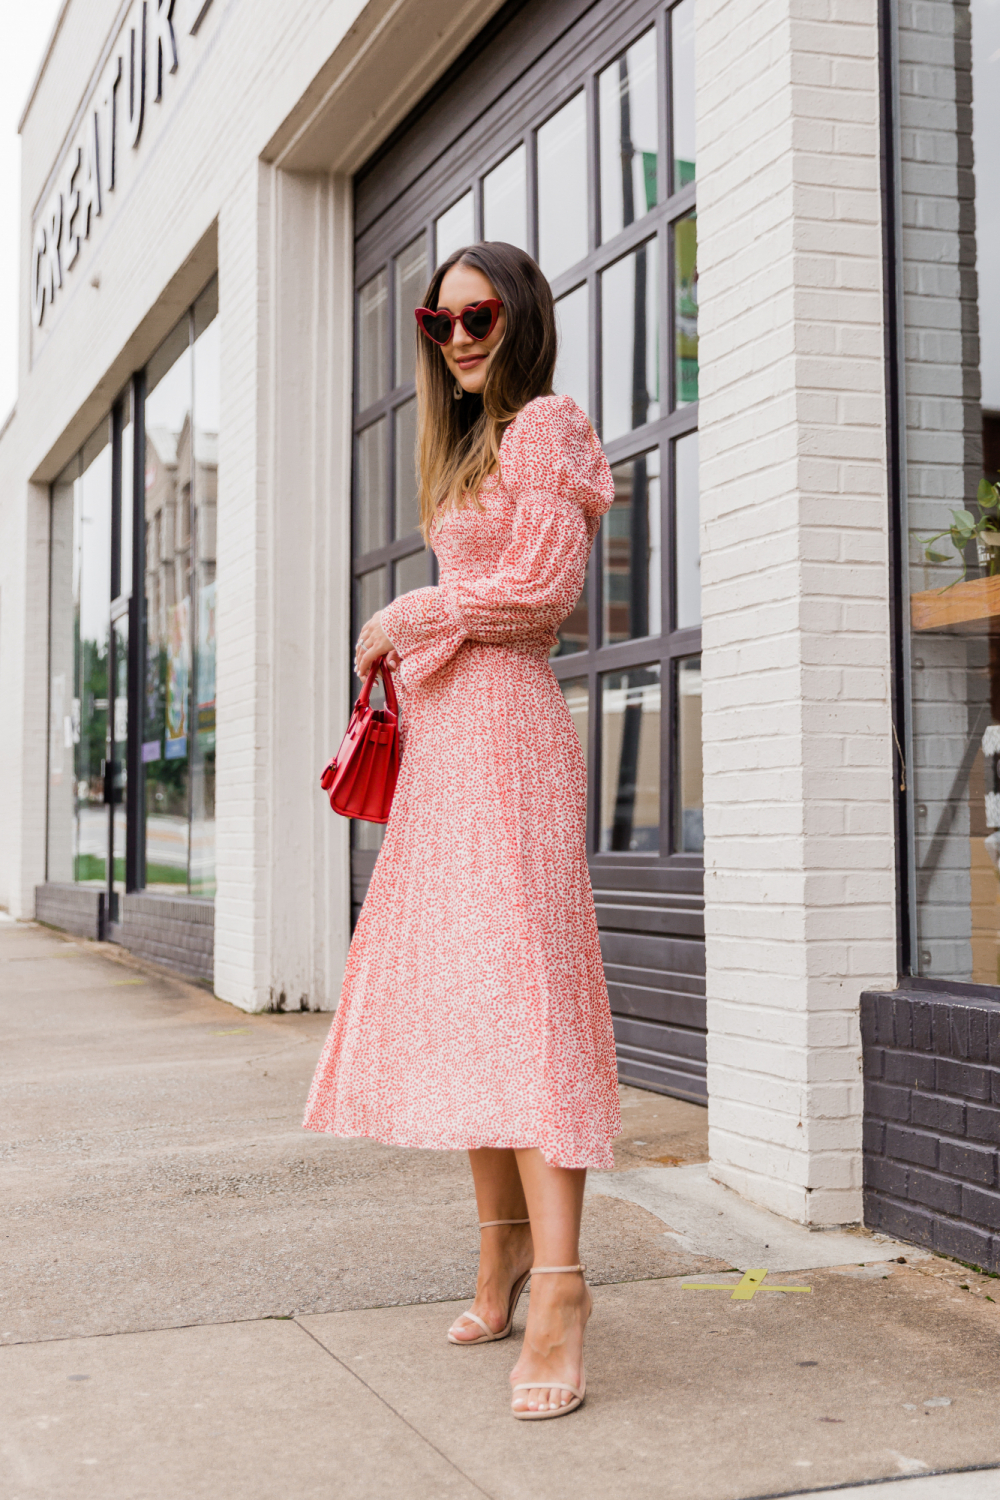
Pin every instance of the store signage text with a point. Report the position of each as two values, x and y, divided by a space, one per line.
134 79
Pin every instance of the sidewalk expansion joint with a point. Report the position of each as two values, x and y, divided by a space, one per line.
389 1407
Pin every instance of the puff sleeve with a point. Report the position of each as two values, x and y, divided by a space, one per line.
555 470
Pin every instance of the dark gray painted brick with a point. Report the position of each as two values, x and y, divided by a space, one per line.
935 1112
979 1035
980 1207
873 1136
874 1060
964 1242
901 1021
920 1023
981 1124
971 1163
958 1017
890 1103
903 1219
912 1070
887 1176
883 1020
994 1030
916 1146
941 1030
935 1191
963 1079
868 1022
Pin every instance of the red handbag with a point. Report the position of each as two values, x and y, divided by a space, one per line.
361 778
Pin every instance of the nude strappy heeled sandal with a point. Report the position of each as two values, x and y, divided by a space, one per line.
488 1336
551 1385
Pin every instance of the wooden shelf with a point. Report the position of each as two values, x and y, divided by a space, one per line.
973 606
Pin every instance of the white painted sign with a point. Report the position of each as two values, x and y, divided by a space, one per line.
133 81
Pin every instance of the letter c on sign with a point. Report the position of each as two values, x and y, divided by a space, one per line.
39 275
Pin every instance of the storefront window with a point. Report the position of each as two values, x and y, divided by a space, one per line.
952 463
131 796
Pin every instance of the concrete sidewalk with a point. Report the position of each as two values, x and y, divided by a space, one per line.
200 1299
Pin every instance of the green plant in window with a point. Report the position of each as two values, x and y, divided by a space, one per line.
966 528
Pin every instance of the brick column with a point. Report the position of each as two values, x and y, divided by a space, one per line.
799 879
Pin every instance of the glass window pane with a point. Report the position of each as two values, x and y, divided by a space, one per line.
628 99
169 567
682 91
373 336
411 284
577 694
92 684
689 835
574 632
573 362
413 572
64 701
370 594
687 545
371 482
630 343
631 551
630 761
686 310
205 476
407 501
562 188
455 229
505 200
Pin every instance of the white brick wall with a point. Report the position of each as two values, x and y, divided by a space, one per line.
799 874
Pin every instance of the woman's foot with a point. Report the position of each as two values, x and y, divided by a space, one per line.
553 1341
505 1254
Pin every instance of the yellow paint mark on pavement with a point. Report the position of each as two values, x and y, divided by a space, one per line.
235 1031
117 983
744 1290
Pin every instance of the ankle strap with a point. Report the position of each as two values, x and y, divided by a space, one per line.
539 1270
491 1223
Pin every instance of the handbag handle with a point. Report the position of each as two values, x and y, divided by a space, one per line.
390 692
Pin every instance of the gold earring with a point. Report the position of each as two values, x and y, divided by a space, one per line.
458 392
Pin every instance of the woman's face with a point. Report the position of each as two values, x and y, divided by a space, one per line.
467 359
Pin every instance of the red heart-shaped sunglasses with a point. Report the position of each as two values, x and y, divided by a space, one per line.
478 319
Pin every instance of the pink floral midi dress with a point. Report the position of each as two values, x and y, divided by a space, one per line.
474 1010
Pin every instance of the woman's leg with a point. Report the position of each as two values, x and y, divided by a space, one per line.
504 1251
560 1304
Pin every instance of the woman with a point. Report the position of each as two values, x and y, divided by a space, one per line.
474 1013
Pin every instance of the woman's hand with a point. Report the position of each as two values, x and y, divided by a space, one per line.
373 643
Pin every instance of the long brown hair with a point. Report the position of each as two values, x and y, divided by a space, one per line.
459 441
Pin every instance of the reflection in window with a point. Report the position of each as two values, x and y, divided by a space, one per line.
630 761
686 310
687 546
505 201
371 595
205 473
371 476
689 835
169 566
455 229
628 101
122 580
562 188
413 572
411 284
631 551
407 500
118 781
577 695
630 380
682 91
373 360
79 685
573 363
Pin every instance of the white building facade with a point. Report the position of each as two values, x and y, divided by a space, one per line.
759 219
